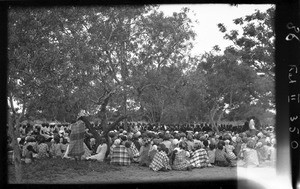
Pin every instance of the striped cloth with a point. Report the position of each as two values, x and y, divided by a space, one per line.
229 150
199 158
136 153
120 156
76 139
180 161
160 161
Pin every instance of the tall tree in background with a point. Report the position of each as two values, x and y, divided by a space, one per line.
63 60
255 48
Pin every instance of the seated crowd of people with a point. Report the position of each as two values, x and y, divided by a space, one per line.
159 149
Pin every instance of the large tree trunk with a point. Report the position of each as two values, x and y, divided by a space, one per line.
212 120
95 134
125 112
13 129
16 154
14 133
102 115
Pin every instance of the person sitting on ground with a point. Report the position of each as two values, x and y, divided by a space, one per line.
42 149
243 146
250 155
135 140
64 144
211 152
100 152
199 158
116 141
205 145
190 143
229 150
153 150
119 154
237 147
135 151
166 141
160 160
29 154
144 159
175 143
28 141
87 152
56 148
222 158
179 158
261 152
129 150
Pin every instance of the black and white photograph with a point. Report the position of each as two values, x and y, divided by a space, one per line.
142 94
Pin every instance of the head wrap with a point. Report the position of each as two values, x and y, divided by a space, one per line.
117 142
175 141
154 147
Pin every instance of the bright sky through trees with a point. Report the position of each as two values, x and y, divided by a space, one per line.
208 16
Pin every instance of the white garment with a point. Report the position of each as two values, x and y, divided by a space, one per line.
101 151
251 124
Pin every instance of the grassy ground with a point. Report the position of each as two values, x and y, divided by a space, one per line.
52 170
68 171
64 171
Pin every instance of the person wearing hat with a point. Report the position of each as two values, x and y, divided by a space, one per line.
160 160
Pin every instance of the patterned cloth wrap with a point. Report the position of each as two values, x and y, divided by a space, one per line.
229 150
120 156
222 158
160 160
199 158
76 139
42 151
136 153
180 161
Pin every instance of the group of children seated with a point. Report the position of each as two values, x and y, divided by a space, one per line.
161 151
